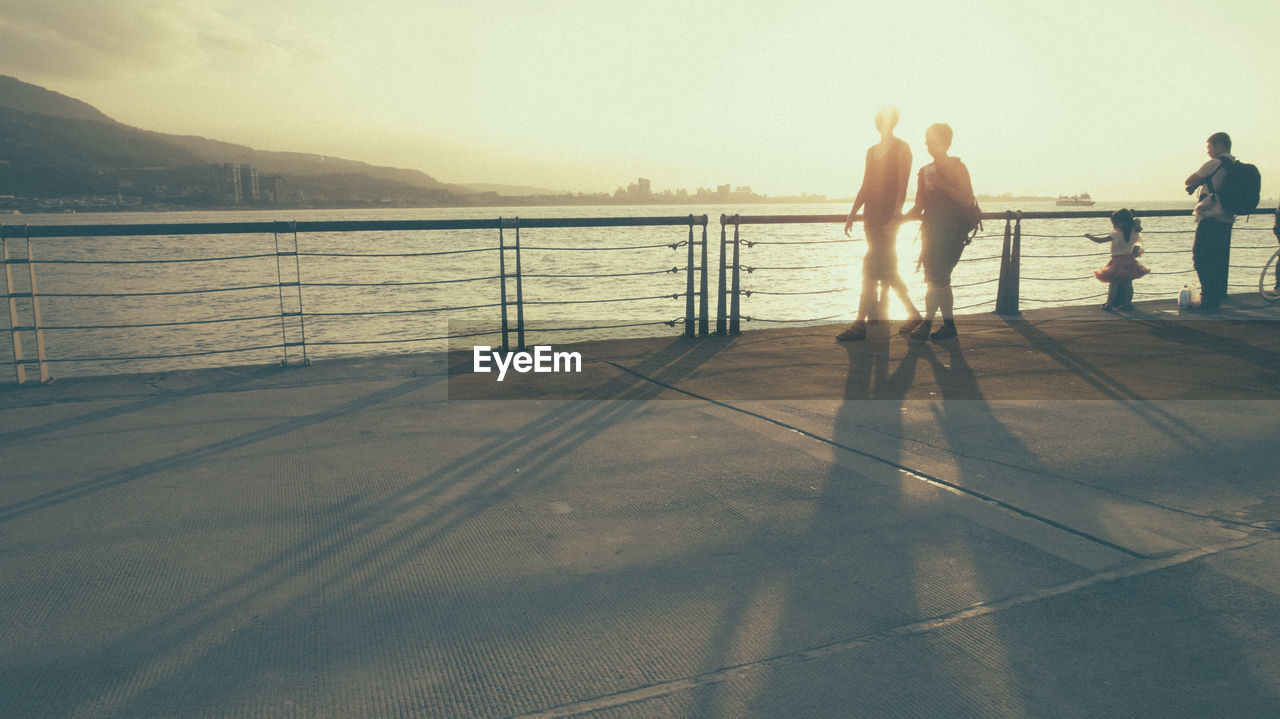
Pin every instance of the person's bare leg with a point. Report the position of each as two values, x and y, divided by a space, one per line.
946 304
899 287
931 303
866 302
1112 295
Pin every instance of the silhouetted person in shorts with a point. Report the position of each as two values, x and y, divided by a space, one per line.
943 193
883 191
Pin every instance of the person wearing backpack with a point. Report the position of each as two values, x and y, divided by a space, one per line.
944 194
1211 252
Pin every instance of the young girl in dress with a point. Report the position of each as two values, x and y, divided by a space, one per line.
1123 268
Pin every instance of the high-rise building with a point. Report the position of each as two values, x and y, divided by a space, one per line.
249 184
273 189
227 182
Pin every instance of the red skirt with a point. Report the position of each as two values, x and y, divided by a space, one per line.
1121 267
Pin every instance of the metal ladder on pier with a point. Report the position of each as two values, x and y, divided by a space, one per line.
23 300
293 325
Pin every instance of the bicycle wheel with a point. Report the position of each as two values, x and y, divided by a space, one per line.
1270 290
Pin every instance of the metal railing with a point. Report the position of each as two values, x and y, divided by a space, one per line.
510 273
729 318
1007 276
290 287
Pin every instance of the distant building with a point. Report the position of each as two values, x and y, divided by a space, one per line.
638 191
273 189
249 184
227 182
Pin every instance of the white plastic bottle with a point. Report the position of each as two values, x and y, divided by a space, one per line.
1184 298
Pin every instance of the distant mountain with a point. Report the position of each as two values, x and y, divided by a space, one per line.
24 97
510 190
54 145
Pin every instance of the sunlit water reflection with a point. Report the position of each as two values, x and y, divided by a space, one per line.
816 283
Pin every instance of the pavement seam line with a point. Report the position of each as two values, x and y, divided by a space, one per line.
981 609
915 473
1048 475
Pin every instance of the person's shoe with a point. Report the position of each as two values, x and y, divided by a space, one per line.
945 332
856 331
1106 307
907 327
920 332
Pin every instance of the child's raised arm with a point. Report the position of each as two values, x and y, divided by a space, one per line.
1098 238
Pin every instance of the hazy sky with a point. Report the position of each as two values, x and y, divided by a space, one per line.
1113 97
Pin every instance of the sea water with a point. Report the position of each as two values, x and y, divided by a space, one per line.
793 274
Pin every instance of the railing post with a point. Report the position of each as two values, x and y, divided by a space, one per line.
285 344
502 272
15 334
702 323
13 307
1016 294
1007 289
689 318
721 327
734 310
502 281
284 332
297 273
519 292
15 326
35 312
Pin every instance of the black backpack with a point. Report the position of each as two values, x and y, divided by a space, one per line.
1241 190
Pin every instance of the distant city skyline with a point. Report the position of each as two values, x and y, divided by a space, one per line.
1044 97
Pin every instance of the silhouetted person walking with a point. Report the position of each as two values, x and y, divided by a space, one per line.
943 194
883 191
1211 253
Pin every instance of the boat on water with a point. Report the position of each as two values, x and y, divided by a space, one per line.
1081 200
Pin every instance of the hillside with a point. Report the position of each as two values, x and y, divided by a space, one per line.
54 146
510 190
18 95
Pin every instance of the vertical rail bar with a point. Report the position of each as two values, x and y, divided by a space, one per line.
284 333
35 313
502 280
1016 260
689 318
702 323
735 314
19 366
1006 264
721 327
297 273
519 292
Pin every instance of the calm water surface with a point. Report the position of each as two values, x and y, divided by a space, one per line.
814 283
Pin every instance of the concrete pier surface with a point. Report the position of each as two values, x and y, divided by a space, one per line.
1066 514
